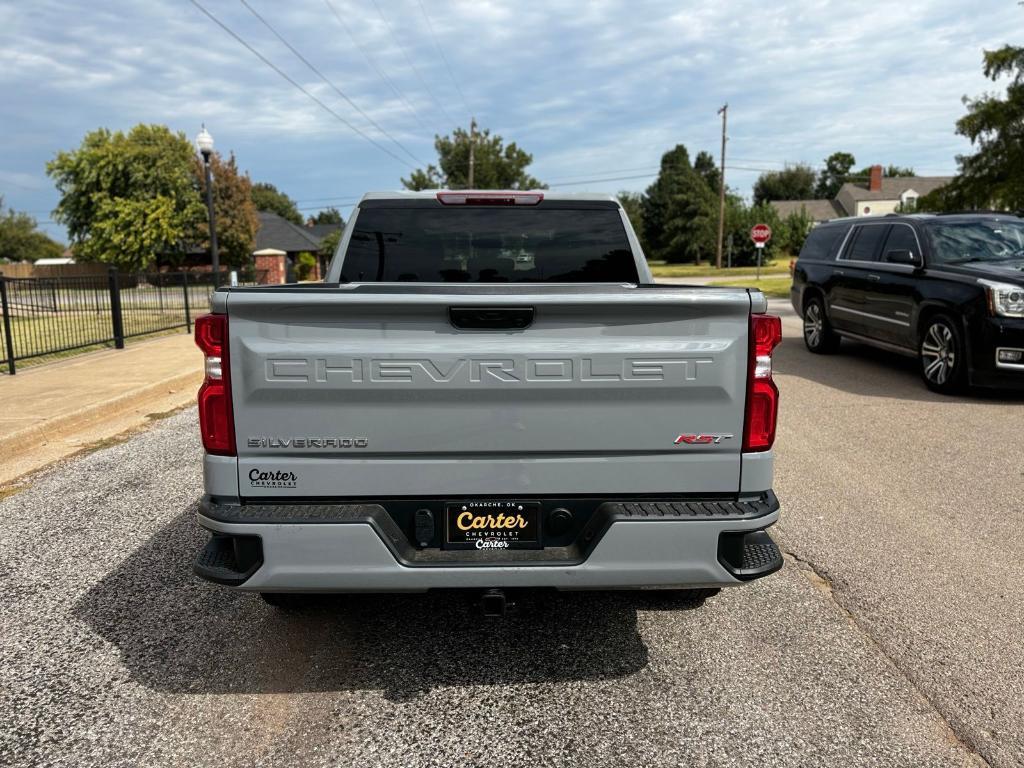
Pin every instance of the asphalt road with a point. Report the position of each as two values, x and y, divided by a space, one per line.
891 637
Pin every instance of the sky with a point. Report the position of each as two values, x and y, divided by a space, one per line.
596 90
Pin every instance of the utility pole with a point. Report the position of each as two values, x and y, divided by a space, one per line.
472 154
724 111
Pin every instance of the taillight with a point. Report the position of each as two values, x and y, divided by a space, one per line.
216 421
489 198
762 394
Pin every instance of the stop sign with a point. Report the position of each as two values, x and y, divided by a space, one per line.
760 233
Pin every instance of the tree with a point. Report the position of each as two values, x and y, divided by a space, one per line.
794 182
792 231
305 263
326 216
739 220
237 221
655 213
889 172
679 211
21 240
268 198
993 177
704 164
127 198
496 166
330 243
692 227
837 170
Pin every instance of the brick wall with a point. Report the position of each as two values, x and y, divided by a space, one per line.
271 268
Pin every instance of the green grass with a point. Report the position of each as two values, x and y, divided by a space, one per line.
773 286
39 332
703 270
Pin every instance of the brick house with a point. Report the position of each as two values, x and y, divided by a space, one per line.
279 243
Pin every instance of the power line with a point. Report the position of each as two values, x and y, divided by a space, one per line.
412 65
323 77
612 178
373 65
338 199
610 170
281 72
440 51
338 208
8 183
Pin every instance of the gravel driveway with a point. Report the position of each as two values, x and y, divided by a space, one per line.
891 637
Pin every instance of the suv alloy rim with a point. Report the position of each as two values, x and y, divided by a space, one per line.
812 325
937 353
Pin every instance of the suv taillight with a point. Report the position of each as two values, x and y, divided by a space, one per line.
216 420
762 394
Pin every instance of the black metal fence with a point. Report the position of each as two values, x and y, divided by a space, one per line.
53 315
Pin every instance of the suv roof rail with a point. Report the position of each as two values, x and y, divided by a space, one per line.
979 211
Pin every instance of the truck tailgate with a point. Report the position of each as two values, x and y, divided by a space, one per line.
371 390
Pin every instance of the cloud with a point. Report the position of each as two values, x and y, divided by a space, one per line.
588 87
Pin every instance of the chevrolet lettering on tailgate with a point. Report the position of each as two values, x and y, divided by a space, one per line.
341 371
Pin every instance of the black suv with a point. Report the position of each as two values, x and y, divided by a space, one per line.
947 289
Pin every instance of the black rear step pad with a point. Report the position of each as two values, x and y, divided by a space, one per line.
229 560
749 555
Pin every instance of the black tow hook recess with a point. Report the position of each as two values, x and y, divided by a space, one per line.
495 605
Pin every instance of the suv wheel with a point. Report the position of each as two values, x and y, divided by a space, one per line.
818 334
942 356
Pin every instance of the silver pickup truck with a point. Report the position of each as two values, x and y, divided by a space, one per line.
487 392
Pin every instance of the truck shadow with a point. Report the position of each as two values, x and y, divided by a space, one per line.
177 634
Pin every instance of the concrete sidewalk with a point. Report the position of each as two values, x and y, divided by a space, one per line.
54 410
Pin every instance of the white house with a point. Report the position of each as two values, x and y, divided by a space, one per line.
879 196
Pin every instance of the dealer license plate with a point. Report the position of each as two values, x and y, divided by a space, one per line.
492 525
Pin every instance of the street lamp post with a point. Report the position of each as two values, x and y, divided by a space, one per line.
204 141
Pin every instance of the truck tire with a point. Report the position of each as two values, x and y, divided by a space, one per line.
819 337
943 355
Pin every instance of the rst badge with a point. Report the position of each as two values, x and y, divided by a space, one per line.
702 438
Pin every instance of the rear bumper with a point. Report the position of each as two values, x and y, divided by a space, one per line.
356 548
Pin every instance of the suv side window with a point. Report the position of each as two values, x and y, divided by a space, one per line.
821 243
901 238
865 242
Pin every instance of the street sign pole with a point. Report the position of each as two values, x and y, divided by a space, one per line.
760 250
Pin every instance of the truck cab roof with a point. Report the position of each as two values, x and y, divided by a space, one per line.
548 194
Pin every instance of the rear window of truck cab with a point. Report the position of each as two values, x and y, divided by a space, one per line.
434 243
